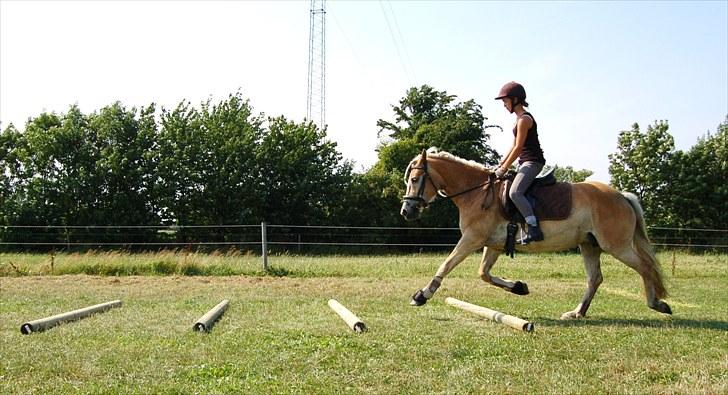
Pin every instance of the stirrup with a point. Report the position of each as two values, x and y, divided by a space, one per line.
534 234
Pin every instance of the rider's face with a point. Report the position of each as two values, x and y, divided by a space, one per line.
508 104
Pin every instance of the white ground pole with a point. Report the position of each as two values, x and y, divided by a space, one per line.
49 322
351 320
205 323
493 315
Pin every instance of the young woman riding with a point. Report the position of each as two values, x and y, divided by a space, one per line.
527 149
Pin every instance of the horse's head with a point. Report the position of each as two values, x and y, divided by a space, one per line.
420 192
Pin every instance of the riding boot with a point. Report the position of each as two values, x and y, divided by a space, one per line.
533 234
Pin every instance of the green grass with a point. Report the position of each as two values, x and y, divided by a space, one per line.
279 336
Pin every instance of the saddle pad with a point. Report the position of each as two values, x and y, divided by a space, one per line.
553 202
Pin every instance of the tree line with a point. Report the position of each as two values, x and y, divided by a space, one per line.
221 163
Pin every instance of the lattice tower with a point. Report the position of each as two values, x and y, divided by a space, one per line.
316 103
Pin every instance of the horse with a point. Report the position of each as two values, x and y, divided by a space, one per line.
601 219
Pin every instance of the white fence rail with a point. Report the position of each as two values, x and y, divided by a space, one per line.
262 237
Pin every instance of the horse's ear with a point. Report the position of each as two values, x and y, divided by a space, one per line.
424 153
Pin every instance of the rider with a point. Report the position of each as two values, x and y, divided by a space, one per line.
527 149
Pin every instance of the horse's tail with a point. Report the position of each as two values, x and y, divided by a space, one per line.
644 247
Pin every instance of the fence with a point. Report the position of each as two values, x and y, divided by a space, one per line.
291 238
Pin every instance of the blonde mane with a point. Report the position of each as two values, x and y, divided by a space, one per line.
435 153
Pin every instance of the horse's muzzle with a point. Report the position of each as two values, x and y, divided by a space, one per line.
411 209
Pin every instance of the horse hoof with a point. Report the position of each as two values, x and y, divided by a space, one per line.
663 307
571 315
520 288
418 299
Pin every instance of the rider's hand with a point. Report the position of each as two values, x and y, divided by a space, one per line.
500 172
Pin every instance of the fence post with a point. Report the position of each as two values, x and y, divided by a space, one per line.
68 239
264 245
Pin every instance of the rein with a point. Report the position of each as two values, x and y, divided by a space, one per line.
446 196
440 192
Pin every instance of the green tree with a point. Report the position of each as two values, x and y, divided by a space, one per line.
207 164
56 164
10 169
78 170
425 118
643 165
301 177
699 192
224 164
122 142
569 174
373 199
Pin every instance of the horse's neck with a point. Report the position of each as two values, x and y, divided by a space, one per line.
455 176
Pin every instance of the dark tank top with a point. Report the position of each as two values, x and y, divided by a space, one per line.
532 151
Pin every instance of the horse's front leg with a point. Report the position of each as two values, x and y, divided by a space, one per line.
461 251
490 255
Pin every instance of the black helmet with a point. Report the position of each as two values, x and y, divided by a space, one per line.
512 89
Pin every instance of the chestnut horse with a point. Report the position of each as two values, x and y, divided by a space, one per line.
601 220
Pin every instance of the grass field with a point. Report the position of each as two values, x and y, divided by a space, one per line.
279 336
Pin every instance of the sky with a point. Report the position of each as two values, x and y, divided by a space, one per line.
591 69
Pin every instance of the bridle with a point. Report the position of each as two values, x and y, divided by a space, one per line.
440 192
421 184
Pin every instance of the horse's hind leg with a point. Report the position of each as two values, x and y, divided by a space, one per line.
590 253
489 257
650 278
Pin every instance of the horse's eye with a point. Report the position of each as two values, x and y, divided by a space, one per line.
414 179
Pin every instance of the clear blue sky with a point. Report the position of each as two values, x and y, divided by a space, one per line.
591 69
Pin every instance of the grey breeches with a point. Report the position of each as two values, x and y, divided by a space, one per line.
526 174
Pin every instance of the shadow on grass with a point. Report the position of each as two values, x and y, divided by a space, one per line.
276 271
642 323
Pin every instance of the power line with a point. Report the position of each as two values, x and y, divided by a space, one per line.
332 12
394 40
401 39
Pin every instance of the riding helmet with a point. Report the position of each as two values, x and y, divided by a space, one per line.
512 89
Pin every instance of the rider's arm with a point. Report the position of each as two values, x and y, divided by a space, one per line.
503 161
522 127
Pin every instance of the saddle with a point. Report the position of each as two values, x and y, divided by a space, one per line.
551 201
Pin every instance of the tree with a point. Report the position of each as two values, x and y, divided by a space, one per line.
301 177
207 164
9 171
643 165
224 164
699 192
425 118
429 118
677 188
56 166
79 170
569 174
122 142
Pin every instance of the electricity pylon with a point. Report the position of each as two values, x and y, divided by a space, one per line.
316 103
